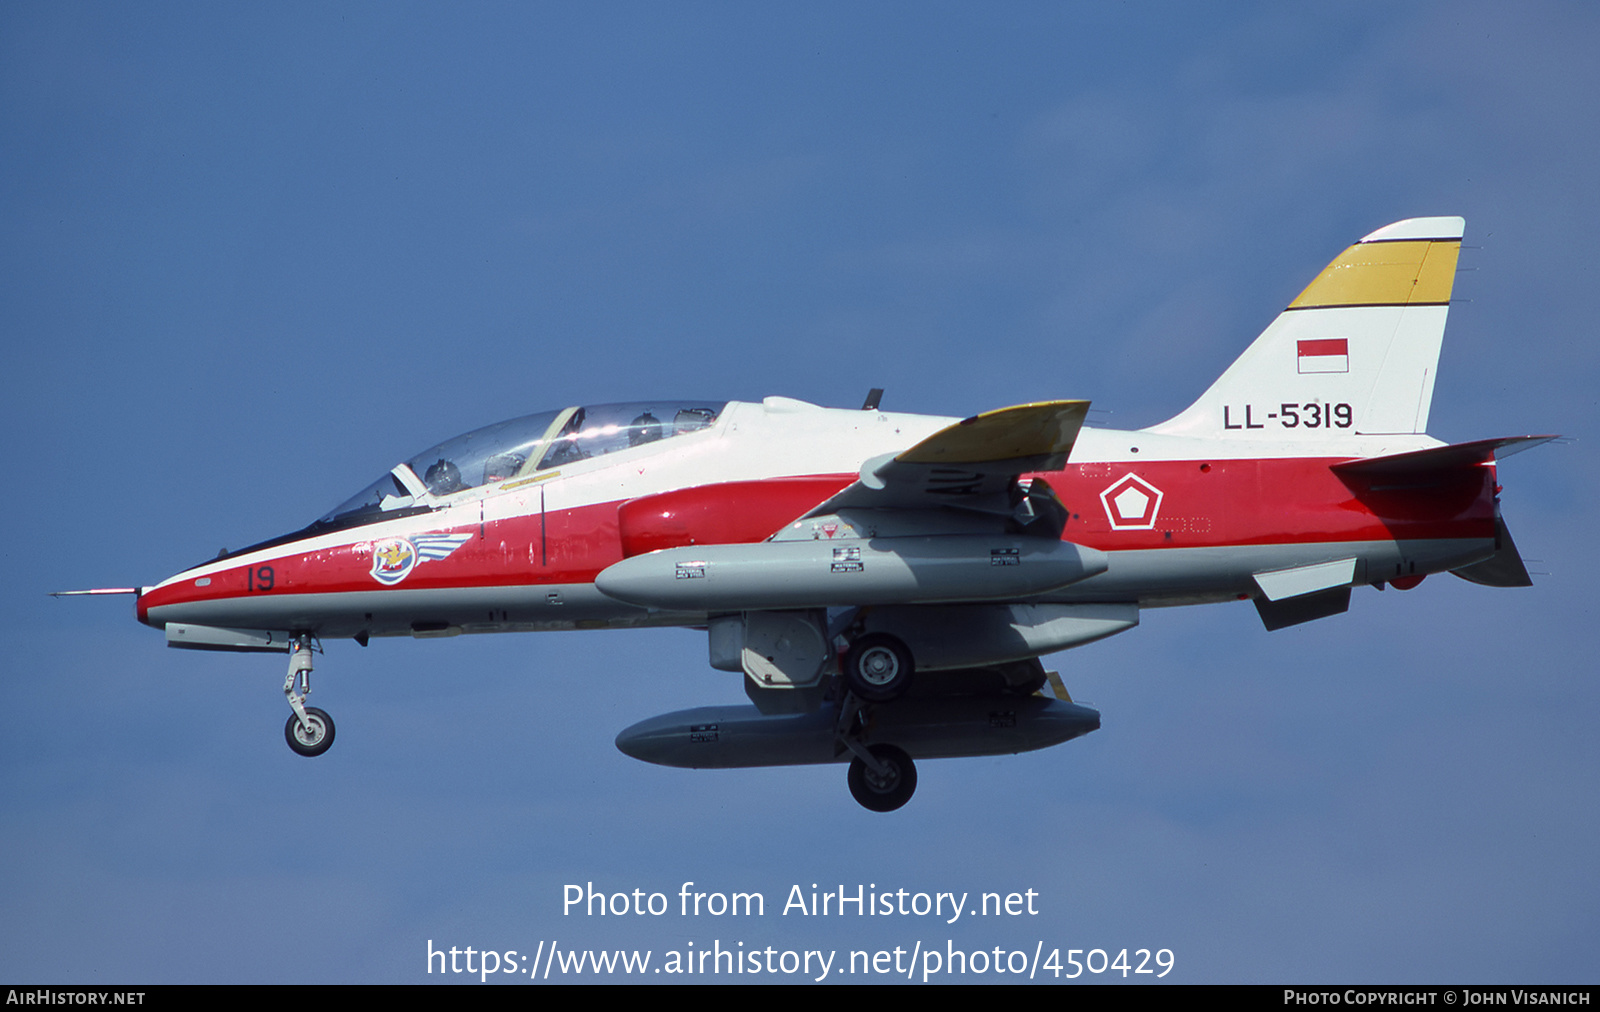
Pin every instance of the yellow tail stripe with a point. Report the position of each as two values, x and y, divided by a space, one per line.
1399 273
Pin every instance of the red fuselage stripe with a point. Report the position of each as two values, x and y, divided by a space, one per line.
1173 504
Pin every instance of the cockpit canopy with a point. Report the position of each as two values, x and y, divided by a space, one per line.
519 448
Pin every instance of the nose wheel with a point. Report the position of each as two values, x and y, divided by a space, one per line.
311 736
309 730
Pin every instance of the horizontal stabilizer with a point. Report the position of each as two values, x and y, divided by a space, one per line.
1440 458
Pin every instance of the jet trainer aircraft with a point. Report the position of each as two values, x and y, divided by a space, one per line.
886 583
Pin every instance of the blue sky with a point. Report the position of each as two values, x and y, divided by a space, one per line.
256 256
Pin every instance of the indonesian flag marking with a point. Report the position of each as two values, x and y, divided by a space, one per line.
1328 354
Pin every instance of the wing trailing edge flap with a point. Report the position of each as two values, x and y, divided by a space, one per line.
971 465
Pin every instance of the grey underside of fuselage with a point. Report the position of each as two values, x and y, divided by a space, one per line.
1151 578
405 612
1177 576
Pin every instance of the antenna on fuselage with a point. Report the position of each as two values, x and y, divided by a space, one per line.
873 397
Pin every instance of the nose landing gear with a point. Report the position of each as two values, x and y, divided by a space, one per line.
309 731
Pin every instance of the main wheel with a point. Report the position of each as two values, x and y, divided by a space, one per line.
310 740
887 791
878 667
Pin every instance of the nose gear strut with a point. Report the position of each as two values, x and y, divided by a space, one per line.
309 731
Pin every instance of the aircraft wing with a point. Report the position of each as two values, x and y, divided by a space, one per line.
969 465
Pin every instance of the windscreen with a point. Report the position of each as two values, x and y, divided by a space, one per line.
523 446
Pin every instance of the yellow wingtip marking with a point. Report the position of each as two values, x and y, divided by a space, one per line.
1024 430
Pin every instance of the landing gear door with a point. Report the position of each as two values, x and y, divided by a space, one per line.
776 649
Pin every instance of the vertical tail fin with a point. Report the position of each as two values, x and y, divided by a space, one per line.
1354 354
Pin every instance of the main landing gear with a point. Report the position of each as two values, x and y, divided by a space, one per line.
309 730
889 785
878 667
882 777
